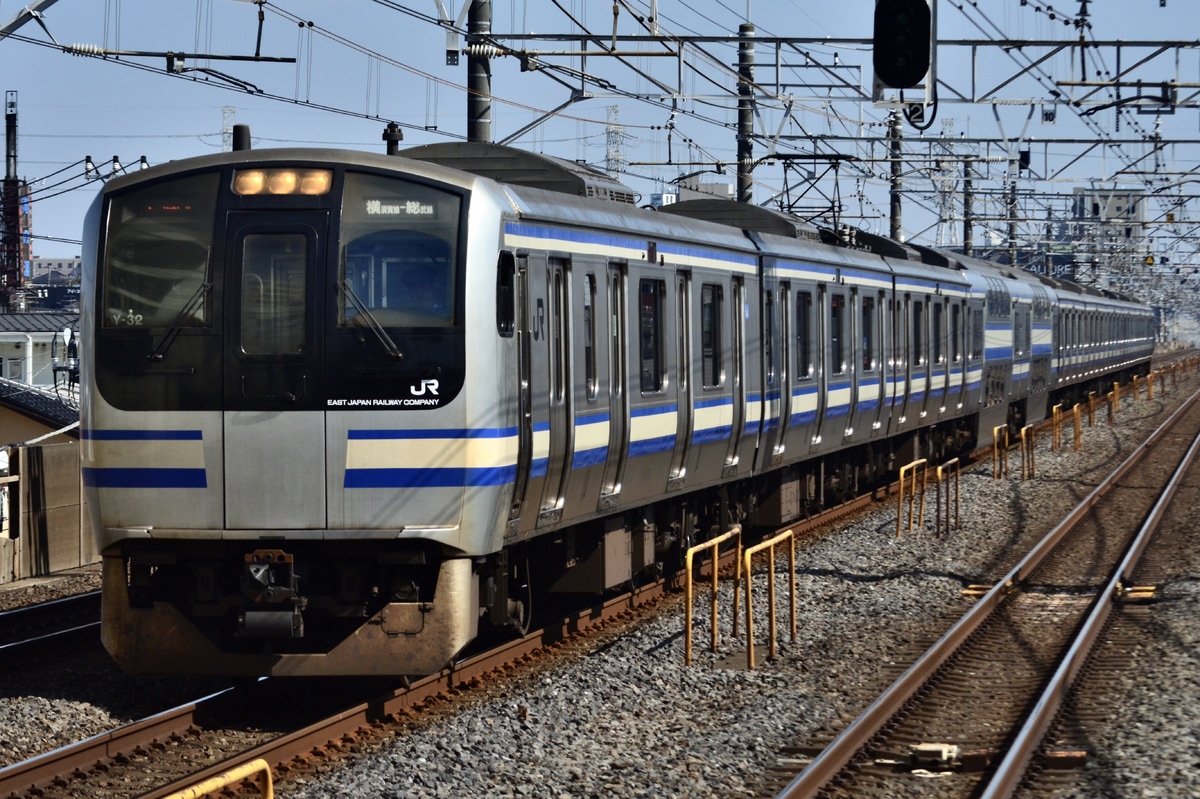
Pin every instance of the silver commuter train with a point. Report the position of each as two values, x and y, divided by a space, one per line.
344 412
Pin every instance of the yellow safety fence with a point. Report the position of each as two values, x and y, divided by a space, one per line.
749 554
735 533
266 787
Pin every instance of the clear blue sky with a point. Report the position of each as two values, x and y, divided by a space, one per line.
72 106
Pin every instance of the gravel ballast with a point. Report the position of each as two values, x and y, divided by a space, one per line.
625 717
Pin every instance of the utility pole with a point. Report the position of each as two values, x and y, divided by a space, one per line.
14 218
479 72
745 133
894 140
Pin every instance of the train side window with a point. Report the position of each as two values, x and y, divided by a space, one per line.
837 334
589 337
804 301
156 255
650 334
868 334
711 308
506 281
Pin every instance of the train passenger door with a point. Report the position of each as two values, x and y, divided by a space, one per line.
784 378
738 426
273 371
684 392
618 394
560 398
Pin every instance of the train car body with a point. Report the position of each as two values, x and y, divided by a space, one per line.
341 411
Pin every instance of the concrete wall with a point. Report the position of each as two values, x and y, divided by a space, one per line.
45 528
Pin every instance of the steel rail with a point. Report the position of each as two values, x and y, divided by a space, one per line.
858 734
1008 774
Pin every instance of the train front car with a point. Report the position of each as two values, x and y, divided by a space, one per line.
285 472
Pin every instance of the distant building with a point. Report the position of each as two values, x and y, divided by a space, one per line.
36 348
53 284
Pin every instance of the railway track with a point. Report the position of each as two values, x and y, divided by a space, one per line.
46 623
974 710
108 764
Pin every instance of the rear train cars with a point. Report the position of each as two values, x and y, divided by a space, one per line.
342 412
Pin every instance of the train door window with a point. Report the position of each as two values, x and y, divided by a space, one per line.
955 334
976 335
558 354
939 353
769 336
589 337
274 270
650 338
837 333
711 301
917 343
804 363
868 334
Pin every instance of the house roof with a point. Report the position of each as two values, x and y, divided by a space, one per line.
44 406
43 322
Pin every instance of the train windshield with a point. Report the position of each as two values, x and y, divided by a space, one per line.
158 255
399 254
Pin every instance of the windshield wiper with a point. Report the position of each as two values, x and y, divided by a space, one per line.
388 345
164 343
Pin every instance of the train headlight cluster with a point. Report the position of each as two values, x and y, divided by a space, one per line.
282 181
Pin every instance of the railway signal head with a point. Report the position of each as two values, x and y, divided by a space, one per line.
902 39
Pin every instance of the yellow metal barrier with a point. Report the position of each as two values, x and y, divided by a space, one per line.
1078 411
266 787
1136 387
1150 385
747 556
734 532
1116 397
1056 427
1028 446
1091 409
999 459
914 467
1113 399
943 471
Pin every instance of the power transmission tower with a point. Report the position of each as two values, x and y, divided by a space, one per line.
613 158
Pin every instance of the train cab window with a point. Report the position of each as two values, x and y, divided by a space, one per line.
157 255
399 262
274 271
711 306
868 334
650 335
804 363
837 334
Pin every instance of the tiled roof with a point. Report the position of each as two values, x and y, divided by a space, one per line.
45 322
40 404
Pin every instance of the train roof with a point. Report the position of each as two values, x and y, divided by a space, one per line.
520 168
